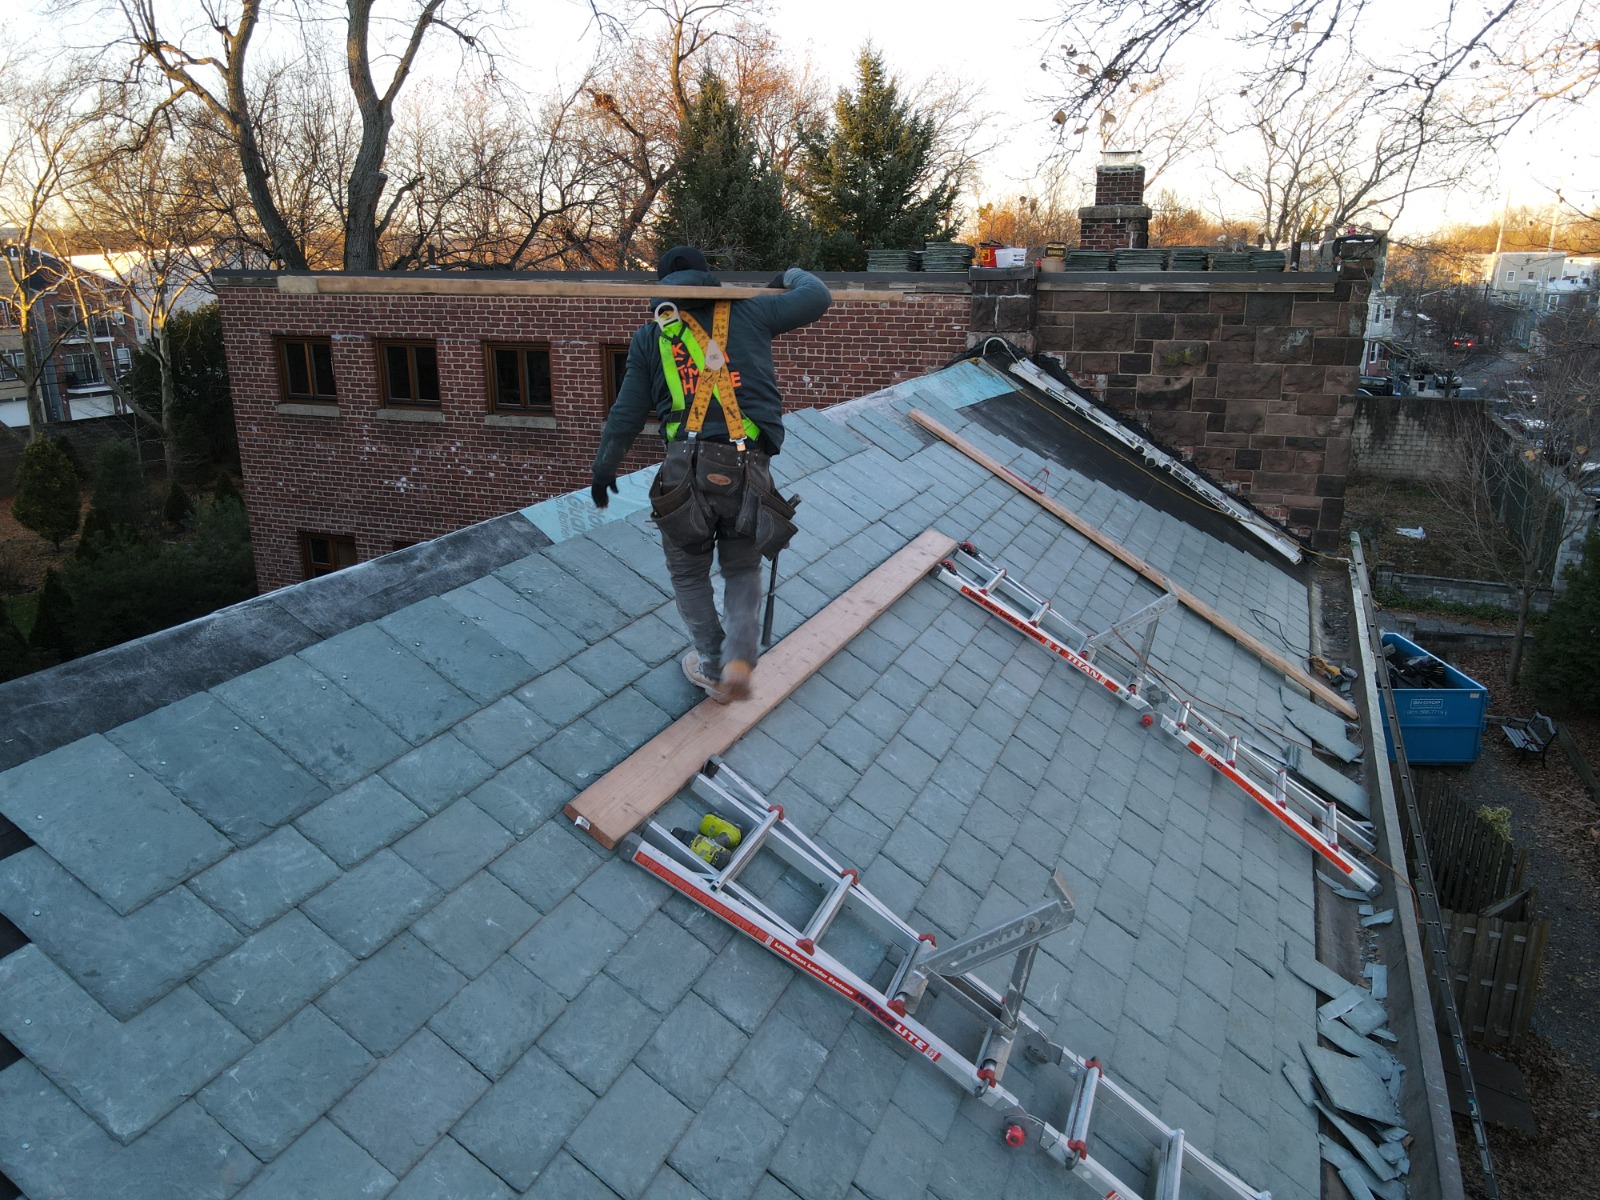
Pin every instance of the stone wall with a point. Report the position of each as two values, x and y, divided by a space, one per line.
389 477
1409 437
1252 378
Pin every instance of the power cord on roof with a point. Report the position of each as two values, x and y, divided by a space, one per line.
1275 628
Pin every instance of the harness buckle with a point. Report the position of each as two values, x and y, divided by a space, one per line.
666 314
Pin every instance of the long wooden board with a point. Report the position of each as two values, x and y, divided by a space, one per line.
422 283
1122 554
631 792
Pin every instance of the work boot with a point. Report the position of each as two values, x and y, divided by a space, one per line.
693 673
736 680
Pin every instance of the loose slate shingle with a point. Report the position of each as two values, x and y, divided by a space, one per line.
400 1110
123 962
220 767
100 815
728 1147
282 1087
126 1075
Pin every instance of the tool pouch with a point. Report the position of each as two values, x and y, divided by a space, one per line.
719 468
675 508
774 522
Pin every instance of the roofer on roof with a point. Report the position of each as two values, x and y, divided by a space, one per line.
704 370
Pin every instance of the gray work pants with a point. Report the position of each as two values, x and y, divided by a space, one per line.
740 562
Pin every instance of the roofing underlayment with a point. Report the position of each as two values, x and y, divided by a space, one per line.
304 916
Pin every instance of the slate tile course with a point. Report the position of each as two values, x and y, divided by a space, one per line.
407 1103
273 974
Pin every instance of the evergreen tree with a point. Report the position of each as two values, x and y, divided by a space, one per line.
1566 650
121 492
722 198
52 626
15 658
873 181
226 491
201 394
47 492
66 446
178 506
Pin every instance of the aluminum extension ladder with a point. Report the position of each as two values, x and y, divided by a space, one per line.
1319 823
920 967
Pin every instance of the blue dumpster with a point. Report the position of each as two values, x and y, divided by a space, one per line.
1438 724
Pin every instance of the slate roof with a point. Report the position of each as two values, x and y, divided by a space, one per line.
304 917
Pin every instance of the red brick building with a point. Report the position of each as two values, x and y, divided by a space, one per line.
385 413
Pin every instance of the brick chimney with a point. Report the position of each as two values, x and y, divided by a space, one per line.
1118 217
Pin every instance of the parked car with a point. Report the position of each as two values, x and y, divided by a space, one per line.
1520 391
1377 385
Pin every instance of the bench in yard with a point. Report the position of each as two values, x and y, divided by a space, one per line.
1531 738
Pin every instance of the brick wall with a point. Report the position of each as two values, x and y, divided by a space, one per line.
1119 185
1254 382
384 482
1118 218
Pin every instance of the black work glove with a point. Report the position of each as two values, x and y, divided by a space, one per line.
597 490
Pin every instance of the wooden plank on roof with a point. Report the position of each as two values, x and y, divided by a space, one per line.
424 283
1122 554
630 793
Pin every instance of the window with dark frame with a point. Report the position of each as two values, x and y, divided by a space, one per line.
325 553
519 379
408 374
305 371
615 359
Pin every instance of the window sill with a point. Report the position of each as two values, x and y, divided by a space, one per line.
520 421
294 408
421 416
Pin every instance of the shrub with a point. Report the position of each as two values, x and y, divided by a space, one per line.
178 507
47 492
1566 651
121 492
52 626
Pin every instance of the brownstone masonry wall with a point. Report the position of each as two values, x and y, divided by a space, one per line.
388 477
1251 378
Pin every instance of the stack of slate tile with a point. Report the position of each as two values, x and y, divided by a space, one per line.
891 260
1131 259
1267 260
1088 260
1226 260
946 256
1187 258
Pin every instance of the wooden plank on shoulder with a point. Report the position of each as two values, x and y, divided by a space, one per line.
630 793
1122 554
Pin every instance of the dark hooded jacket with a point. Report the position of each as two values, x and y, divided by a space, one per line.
752 324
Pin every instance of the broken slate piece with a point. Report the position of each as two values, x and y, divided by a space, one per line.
1339 889
1300 1080
1343 1160
1357 1185
1326 779
1325 728
1343 1002
1326 980
1352 1085
1362 1144
1396 1153
1351 1042
1379 974
1366 1017
1382 918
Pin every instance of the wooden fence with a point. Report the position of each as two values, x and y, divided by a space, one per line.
1494 934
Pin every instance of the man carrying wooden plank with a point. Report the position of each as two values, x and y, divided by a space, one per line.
713 495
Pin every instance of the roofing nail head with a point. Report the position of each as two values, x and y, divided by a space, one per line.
36 912
27 1020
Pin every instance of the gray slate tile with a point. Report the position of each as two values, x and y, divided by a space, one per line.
366 907
123 962
654 1120
744 983
504 731
727 1149
779 1065
546 867
454 845
359 820
389 997
820 1152
324 1162
691 1051
597 1035
281 1088
438 772
411 698
660 962
273 975
523 796
520 1123
318 724
497 1016
450 1173
400 1110
458 648
568 1179
126 1075
476 924
499 612
129 841
569 946
220 767
254 886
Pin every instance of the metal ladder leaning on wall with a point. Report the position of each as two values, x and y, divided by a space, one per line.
920 968
1318 823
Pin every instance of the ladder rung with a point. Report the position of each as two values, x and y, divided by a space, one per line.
1168 1167
748 845
829 909
1076 1126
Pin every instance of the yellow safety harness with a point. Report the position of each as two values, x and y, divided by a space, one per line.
714 379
